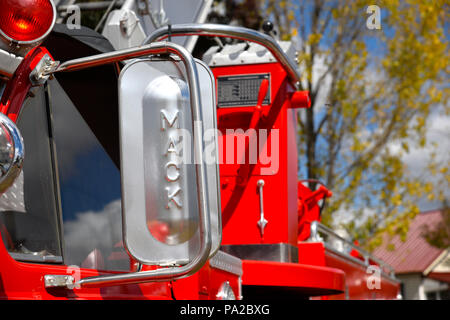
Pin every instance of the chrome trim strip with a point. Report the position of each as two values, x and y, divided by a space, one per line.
33 257
215 247
217 30
226 262
120 55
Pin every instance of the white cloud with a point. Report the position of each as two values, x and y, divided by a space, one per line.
100 230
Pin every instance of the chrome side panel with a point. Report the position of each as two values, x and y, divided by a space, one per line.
226 262
158 168
8 63
208 98
279 252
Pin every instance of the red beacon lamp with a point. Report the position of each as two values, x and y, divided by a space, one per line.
25 23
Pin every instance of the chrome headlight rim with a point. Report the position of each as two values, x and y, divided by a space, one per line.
14 166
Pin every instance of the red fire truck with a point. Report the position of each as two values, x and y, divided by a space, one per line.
145 173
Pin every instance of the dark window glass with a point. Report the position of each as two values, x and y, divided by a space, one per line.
89 183
28 219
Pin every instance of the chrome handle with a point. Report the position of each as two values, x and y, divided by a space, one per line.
262 222
170 273
218 30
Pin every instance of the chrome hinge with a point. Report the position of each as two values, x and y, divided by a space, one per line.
40 74
59 280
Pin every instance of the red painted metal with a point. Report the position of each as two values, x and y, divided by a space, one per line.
243 172
205 284
20 280
318 271
18 87
300 278
240 195
308 208
24 281
239 192
356 280
300 99
356 273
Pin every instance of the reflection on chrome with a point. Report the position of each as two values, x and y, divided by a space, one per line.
12 152
94 239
